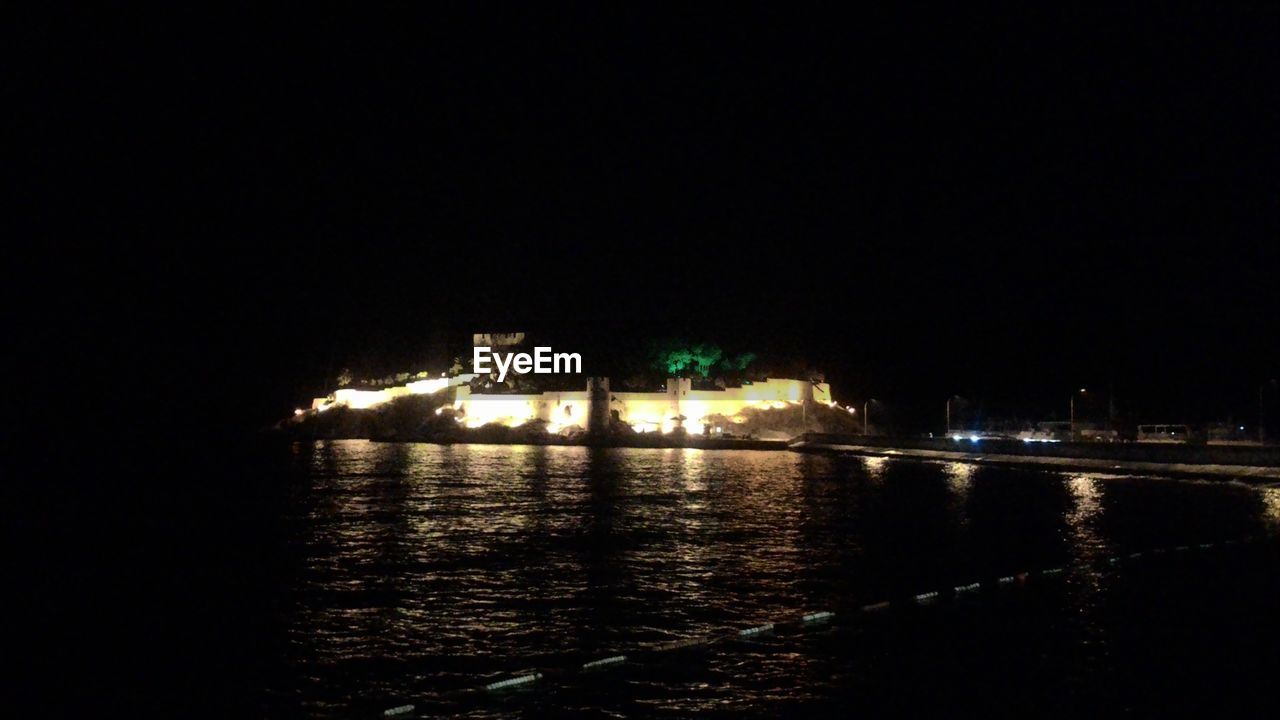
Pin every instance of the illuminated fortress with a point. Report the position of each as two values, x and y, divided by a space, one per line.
592 409
678 407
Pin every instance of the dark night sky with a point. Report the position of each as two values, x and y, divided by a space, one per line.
1006 207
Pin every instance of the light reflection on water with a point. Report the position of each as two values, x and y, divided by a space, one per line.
875 466
424 568
959 480
1271 501
1082 518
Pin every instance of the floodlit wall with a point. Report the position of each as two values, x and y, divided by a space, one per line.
359 399
566 409
679 405
785 390
428 386
559 410
363 399
646 411
822 393
510 410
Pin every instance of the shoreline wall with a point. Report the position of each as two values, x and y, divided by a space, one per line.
592 409
1191 454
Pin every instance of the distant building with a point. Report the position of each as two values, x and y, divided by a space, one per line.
497 339
677 407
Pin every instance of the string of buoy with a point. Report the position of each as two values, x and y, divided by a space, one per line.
794 623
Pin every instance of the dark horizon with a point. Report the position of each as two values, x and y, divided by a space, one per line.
1005 208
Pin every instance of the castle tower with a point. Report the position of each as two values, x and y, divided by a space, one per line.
677 390
598 396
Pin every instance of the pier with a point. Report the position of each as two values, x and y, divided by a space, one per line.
1261 463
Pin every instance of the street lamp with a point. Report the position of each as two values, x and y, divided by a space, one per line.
1262 420
953 397
1073 412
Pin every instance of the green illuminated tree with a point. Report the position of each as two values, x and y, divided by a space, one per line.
739 363
705 357
677 357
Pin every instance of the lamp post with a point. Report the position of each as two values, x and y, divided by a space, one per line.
1073 413
953 397
1262 420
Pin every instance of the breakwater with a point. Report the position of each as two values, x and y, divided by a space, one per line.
1259 462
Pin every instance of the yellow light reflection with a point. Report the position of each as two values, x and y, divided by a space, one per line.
1081 519
960 477
875 466
1271 505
